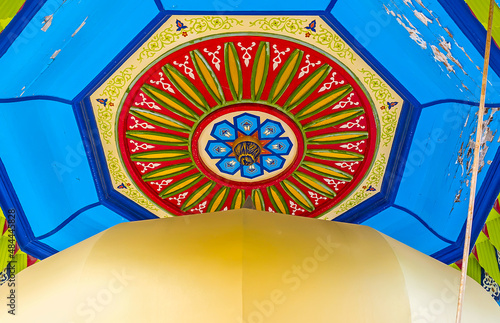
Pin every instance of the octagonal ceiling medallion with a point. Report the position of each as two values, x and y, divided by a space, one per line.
211 110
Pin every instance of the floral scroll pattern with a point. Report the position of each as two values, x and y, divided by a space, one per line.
375 179
195 25
119 177
296 26
112 92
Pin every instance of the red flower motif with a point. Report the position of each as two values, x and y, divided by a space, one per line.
308 34
184 33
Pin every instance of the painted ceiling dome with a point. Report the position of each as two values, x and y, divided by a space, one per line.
350 110
208 124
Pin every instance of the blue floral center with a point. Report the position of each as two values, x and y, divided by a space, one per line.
248 146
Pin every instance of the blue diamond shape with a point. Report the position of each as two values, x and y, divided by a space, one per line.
281 146
251 171
228 165
270 129
247 123
271 162
217 149
224 131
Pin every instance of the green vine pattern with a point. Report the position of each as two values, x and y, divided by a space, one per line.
374 179
166 37
334 43
290 25
382 95
119 177
202 24
297 26
389 123
196 25
112 92
379 88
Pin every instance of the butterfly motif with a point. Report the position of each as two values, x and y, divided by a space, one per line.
122 186
312 26
391 104
371 189
179 25
102 101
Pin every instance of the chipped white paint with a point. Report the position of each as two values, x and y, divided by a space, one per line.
447 47
55 54
80 27
389 12
423 18
440 57
47 22
414 33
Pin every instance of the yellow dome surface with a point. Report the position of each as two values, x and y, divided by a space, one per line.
242 266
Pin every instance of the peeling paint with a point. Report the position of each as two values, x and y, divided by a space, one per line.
460 158
457 196
440 57
414 33
47 21
441 42
420 3
446 46
423 18
445 59
55 54
448 32
389 12
488 136
408 2
80 27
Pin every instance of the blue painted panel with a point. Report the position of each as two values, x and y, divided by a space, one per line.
27 67
416 68
44 157
84 226
224 6
406 229
435 174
